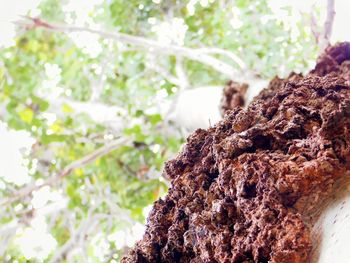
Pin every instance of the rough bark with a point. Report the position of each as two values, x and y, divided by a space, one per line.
233 96
242 191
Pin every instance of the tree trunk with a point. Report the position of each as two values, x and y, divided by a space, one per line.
255 187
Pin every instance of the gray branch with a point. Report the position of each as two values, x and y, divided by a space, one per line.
153 46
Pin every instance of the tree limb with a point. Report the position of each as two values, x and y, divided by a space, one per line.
314 27
153 46
183 85
27 190
8 231
229 54
328 25
181 74
164 73
98 89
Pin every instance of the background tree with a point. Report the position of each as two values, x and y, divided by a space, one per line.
94 84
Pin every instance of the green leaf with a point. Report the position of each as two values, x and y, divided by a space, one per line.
26 115
43 104
136 131
154 118
70 190
66 108
47 139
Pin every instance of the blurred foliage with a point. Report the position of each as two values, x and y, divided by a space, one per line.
46 73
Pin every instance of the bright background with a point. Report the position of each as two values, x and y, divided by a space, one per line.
88 121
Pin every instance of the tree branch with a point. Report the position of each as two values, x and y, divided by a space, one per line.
328 25
314 27
181 74
27 190
164 73
151 46
229 54
8 231
98 89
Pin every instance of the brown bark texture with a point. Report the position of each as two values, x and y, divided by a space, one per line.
233 96
242 190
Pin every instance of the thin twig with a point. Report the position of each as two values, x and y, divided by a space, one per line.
27 190
225 52
164 73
